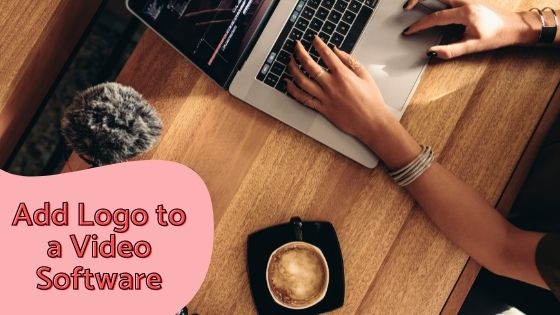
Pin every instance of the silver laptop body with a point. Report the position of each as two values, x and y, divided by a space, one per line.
396 63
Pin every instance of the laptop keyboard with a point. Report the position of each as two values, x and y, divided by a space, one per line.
337 22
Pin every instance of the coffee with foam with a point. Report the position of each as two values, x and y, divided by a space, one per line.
297 275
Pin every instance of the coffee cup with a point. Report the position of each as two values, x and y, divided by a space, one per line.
297 273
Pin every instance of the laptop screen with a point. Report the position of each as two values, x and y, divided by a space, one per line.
213 34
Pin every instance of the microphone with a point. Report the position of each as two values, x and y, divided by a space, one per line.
110 123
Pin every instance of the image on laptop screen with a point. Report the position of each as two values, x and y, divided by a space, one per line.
212 33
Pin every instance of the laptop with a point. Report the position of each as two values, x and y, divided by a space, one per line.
245 45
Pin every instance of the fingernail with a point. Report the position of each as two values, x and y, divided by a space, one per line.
405 30
432 54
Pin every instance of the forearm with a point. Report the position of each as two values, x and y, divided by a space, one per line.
475 226
459 211
461 214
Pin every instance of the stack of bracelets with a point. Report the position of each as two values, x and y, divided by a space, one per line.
406 175
548 32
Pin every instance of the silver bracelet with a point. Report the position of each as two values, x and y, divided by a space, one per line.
409 173
548 32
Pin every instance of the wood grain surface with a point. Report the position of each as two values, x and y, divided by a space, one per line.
36 39
471 270
478 112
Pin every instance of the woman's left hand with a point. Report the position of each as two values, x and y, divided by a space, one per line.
346 94
486 27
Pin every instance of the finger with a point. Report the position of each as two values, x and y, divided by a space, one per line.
454 50
309 65
440 18
304 82
352 64
410 4
303 97
332 61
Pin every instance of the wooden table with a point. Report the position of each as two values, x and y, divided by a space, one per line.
479 114
36 39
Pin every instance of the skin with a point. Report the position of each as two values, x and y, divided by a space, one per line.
348 96
487 27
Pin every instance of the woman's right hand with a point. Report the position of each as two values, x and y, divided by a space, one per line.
486 27
348 96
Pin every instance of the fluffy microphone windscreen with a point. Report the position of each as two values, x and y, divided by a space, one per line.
110 123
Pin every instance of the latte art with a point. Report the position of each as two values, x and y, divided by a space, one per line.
298 275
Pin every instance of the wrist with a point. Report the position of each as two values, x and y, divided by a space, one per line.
390 141
529 29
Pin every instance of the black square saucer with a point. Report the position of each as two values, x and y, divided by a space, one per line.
260 246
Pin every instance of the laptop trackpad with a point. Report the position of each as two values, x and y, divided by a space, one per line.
396 62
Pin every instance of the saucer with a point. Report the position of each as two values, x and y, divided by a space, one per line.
260 246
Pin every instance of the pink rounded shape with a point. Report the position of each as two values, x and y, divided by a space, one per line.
179 254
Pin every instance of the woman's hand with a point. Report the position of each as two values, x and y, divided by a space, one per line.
348 96
486 27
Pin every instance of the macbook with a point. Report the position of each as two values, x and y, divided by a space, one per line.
245 46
